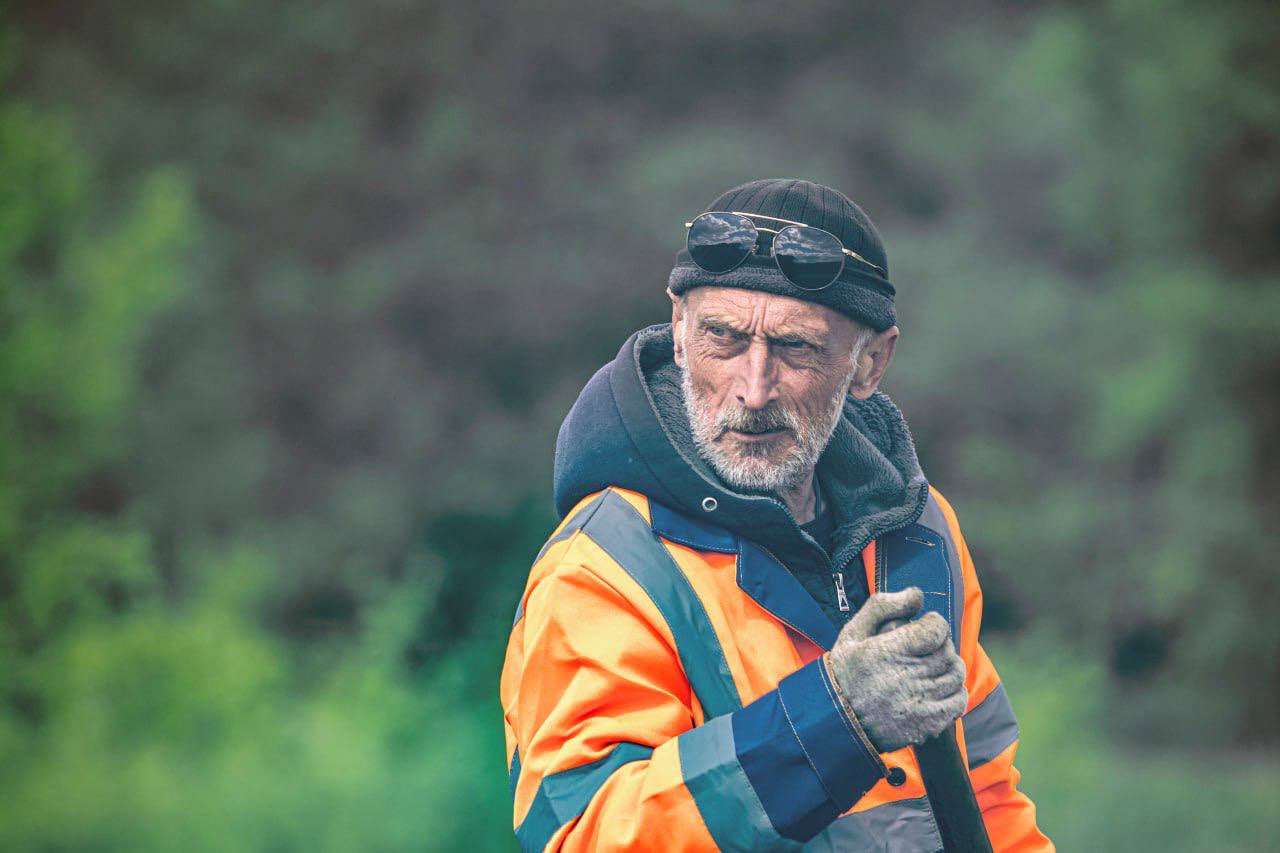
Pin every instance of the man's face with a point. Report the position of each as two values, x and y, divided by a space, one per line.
764 380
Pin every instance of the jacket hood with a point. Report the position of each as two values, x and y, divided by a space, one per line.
628 428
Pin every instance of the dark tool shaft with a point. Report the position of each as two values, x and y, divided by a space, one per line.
946 782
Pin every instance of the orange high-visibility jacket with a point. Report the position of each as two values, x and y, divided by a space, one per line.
665 688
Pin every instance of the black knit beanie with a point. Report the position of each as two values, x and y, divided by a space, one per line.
860 292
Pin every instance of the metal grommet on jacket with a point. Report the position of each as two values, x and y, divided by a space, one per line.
709 503
896 776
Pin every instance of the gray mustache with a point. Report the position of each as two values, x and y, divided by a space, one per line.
764 420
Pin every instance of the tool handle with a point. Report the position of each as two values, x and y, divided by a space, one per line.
946 782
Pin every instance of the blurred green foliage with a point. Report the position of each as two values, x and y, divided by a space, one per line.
294 296
1092 794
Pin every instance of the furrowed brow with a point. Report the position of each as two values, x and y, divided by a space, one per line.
786 333
724 322
811 338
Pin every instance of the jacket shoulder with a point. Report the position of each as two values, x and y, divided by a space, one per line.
584 514
606 510
947 513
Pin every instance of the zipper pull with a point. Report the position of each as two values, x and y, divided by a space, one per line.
841 598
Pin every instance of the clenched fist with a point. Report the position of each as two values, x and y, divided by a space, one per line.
906 684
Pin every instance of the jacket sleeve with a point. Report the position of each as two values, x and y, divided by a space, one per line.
604 749
989 729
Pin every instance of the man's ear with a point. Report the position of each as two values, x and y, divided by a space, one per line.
677 327
873 361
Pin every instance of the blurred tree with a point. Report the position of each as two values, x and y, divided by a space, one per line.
426 228
130 718
80 287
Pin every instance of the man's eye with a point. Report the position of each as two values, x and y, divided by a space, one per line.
795 344
718 331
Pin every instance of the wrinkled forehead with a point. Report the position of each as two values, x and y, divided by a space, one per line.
763 313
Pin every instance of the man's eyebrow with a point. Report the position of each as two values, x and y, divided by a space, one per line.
714 320
798 334
787 332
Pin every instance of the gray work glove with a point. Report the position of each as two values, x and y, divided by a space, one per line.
904 685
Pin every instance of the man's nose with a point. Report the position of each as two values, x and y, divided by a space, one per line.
757 384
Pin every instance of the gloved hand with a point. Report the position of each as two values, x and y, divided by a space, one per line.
904 685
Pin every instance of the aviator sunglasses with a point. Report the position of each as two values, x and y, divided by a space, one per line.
810 258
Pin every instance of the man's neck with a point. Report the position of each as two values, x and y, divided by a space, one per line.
803 500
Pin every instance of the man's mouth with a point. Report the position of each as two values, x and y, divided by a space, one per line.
757 435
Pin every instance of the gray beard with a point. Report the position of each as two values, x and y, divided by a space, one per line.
752 470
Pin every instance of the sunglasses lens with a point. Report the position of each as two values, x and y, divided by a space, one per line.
718 242
810 257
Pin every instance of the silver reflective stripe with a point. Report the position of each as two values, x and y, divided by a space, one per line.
990 727
729 806
575 524
621 531
905 826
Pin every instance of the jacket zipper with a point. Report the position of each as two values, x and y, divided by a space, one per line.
841 598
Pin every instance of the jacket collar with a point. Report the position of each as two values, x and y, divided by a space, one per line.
759 574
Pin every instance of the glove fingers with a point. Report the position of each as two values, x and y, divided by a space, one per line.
921 637
945 684
934 664
952 707
936 716
882 607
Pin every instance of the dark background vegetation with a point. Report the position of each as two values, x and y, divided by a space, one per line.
294 295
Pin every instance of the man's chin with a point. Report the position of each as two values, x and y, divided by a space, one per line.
751 469
762 480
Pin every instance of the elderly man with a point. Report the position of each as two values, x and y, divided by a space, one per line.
755 604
